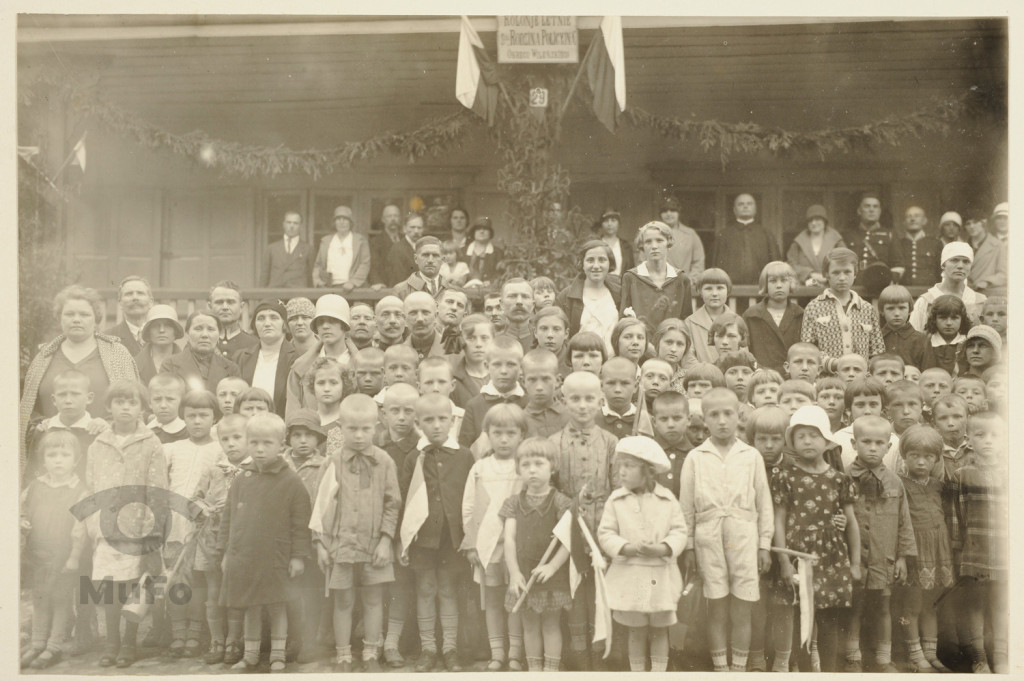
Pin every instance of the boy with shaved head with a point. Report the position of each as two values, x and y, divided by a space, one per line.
584 472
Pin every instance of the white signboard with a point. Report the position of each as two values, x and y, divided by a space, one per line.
536 39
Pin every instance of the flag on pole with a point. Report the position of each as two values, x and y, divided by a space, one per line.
563 532
79 152
325 503
606 72
476 82
28 152
416 506
805 577
602 613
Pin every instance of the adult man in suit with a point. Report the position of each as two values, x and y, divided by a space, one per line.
135 297
427 276
380 244
402 254
344 257
287 263
743 247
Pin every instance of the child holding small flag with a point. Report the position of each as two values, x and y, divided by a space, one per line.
584 468
530 518
431 529
644 532
808 492
492 480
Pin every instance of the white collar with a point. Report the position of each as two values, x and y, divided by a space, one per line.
669 270
450 443
55 423
611 412
745 221
855 299
171 428
488 250
131 327
343 239
917 236
47 480
938 341
489 389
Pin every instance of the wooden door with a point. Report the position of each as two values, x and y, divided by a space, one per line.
208 236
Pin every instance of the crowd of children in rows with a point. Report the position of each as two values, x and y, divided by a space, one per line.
415 483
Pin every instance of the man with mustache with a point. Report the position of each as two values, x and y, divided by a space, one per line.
517 304
451 309
390 323
427 277
421 311
135 297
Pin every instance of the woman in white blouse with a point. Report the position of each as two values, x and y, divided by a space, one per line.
591 300
266 365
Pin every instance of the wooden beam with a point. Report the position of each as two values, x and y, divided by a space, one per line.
32 34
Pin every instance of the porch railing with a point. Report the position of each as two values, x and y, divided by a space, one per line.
187 300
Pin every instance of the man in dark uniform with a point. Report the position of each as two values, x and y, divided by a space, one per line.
871 243
743 247
226 302
915 253
380 244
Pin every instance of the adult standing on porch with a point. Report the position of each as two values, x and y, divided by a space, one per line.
380 244
267 365
654 290
226 303
79 346
915 254
401 257
686 251
287 263
743 247
868 239
331 324
135 297
344 257
806 255
988 272
607 230
459 221
427 261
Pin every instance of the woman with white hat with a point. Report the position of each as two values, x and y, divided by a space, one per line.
956 260
158 335
807 493
644 532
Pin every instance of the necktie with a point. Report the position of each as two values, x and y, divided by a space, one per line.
430 288
288 245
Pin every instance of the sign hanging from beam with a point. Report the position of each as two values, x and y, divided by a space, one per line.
536 39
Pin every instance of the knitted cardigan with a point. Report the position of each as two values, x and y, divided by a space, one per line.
117 362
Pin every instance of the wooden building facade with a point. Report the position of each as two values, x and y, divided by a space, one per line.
315 82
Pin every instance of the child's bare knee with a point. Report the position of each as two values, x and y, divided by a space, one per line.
342 599
372 595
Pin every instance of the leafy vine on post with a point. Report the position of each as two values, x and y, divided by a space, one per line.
537 185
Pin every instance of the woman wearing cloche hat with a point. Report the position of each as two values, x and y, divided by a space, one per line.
644 532
159 334
807 252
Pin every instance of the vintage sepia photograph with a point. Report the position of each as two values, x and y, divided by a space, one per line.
593 343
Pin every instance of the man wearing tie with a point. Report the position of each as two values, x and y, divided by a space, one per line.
287 263
427 276
135 297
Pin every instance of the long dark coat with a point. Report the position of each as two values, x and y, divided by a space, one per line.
246 359
265 524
